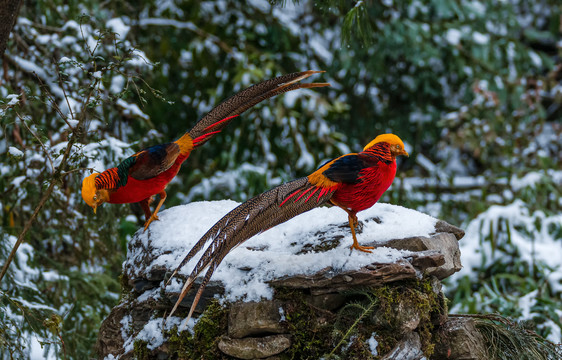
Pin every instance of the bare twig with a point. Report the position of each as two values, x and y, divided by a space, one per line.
62 342
65 96
76 170
38 140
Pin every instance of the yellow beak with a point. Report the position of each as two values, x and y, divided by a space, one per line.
95 208
405 153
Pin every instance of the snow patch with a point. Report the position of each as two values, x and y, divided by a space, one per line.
15 152
131 109
118 26
481 39
14 99
373 344
453 36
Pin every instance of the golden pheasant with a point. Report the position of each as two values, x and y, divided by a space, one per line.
148 172
353 182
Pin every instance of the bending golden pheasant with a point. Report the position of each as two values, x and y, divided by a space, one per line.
148 172
353 182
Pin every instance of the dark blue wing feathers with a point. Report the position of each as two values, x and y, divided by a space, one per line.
347 168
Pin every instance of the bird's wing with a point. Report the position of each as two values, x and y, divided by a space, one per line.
153 161
250 218
143 165
220 116
347 168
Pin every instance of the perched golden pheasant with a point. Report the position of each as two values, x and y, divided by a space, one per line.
353 182
148 172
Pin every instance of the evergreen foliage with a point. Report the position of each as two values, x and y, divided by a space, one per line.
509 340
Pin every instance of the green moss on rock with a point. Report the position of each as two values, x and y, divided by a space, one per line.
125 287
140 350
319 333
203 344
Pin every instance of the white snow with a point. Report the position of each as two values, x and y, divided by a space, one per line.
321 50
181 227
14 99
373 344
168 22
530 179
525 303
73 122
15 151
131 109
37 352
152 332
282 314
533 234
481 39
453 36
535 58
118 26
117 84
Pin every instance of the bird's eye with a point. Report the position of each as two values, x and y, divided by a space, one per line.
95 198
398 147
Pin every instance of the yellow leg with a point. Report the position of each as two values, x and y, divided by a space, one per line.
154 215
352 218
352 223
145 205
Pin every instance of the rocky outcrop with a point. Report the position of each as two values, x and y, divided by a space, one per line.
460 340
254 347
399 304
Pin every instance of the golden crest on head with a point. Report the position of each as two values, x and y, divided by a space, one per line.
387 138
392 140
89 190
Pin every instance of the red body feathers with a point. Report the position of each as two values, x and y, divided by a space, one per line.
363 195
138 190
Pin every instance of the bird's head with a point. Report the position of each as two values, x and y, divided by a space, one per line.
396 144
91 195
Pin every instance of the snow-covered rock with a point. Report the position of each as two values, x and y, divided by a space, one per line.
308 253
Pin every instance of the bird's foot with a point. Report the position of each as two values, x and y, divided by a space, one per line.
152 218
362 248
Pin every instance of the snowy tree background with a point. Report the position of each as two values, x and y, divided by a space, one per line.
473 87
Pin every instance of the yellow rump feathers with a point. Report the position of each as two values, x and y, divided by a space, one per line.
185 143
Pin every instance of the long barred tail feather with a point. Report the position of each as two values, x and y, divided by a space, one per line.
256 215
212 267
222 114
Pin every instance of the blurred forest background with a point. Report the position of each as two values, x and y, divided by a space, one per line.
473 87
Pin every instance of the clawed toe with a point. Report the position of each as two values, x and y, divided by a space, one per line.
147 223
362 248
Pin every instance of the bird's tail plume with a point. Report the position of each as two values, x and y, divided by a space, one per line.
248 219
222 114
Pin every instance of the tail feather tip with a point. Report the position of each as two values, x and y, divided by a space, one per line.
315 71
